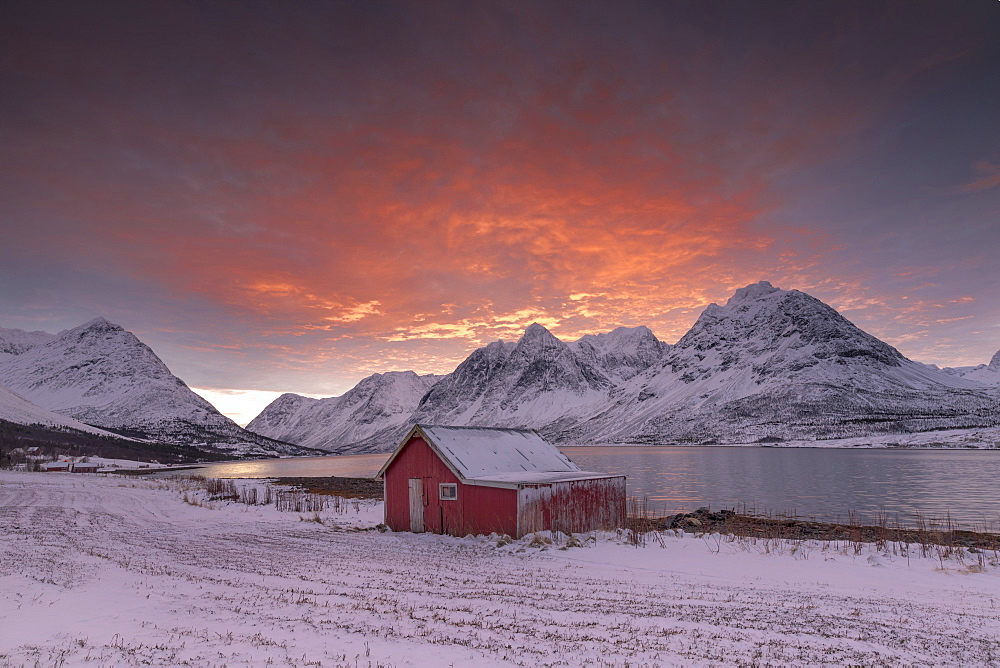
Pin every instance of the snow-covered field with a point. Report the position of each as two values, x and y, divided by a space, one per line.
102 570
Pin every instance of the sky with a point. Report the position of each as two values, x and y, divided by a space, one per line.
293 196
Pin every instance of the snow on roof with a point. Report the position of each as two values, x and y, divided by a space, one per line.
481 452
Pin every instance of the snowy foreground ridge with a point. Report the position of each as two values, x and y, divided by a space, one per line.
102 570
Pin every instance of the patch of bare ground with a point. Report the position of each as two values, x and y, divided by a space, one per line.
348 488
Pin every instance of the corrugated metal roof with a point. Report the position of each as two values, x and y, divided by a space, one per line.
478 452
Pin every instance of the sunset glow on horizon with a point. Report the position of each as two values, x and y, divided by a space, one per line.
290 197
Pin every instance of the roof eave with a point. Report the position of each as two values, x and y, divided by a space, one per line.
516 484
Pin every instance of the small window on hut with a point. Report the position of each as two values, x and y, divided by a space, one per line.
449 491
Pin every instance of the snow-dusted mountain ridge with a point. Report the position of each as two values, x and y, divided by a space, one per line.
623 352
988 374
768 365
537 379
16 341
380 401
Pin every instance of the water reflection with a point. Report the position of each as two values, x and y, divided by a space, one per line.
810 482
351 466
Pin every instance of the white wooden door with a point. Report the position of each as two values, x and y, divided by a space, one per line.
416 505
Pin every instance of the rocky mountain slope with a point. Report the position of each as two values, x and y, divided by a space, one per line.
103 376
770 365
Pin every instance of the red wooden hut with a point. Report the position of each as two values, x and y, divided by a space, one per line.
462 480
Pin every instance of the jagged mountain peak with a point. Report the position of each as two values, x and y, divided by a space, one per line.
623 352
100 324
763 320
536 336
640 331
772 363
539 346
102 374
621 334
994 364
290 398
391 375
388 389
96 327
754 291
529 383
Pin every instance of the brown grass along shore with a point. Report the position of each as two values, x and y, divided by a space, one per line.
881 530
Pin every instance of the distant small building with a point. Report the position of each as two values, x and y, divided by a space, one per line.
55 466
462 480
84 467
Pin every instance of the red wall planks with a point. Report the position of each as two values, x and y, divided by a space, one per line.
478 509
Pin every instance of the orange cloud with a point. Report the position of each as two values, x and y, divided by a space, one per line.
989 178
380 199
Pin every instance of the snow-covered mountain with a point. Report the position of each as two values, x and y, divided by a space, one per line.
102 375
988 374
769 365
379 402
778 364
538 382
17 341
622 353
